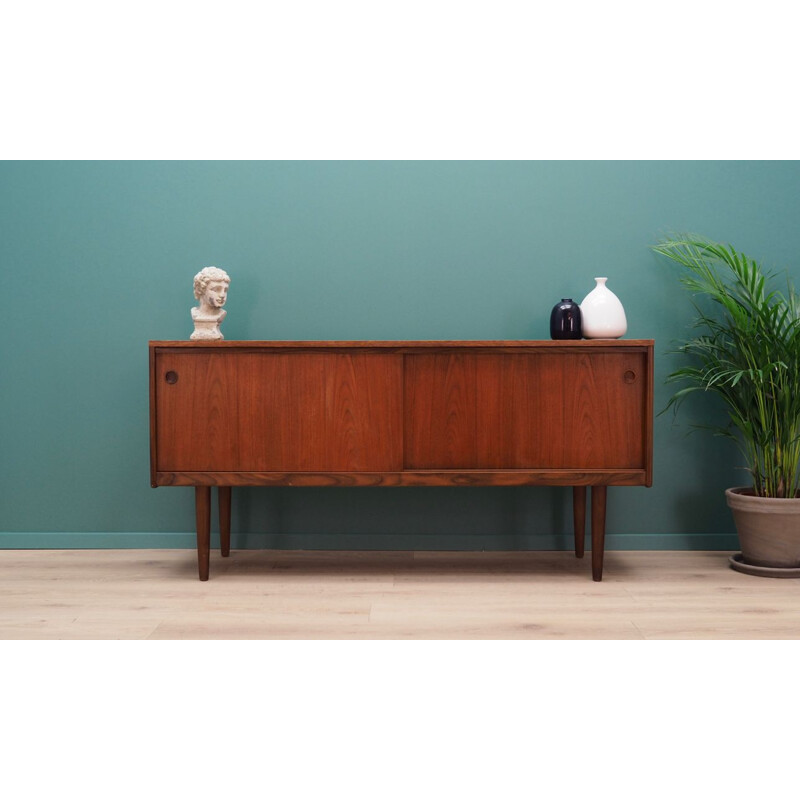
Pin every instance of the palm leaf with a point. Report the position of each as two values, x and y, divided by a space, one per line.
747 353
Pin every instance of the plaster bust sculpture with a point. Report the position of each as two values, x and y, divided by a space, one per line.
211 289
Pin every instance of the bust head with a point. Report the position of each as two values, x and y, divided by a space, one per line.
211 288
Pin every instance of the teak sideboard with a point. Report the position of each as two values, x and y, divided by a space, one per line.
450 413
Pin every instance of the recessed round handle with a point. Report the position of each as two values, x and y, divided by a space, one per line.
171 377
629 376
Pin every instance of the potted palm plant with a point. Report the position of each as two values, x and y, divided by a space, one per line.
747 352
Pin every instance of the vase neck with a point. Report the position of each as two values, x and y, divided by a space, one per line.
601 281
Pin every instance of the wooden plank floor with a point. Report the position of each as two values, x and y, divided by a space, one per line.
254 594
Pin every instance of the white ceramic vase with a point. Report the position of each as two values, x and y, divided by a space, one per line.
602 314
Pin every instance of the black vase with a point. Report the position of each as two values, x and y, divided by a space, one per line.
565 320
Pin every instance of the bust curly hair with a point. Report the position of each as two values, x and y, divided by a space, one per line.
205 276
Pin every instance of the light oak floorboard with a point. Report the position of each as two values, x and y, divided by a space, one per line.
256 594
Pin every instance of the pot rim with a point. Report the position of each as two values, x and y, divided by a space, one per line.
744 496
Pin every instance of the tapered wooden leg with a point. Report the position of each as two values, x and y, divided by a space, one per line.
598 530
202 504
224 498
579 518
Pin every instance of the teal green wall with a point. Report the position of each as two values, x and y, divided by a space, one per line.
97 258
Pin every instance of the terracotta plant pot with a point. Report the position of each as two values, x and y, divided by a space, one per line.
769 531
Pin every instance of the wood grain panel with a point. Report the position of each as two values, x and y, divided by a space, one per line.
511 394
591 409
574 410
250 411
196 416
441 411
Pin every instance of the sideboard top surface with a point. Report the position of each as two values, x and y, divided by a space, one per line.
524 343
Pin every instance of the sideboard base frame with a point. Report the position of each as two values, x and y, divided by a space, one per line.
406 478
203 515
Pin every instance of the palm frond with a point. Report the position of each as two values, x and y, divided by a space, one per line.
747 353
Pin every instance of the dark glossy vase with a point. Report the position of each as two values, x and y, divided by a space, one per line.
565 320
